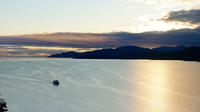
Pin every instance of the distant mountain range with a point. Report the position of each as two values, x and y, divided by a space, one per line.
134 52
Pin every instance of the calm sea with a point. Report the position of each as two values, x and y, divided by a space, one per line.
100 85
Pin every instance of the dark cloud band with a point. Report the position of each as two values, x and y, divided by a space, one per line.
188 16
187 37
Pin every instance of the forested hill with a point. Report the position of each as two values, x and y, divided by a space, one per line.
134 52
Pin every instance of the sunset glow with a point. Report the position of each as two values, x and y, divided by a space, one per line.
43 27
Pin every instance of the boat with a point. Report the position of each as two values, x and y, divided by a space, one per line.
55 82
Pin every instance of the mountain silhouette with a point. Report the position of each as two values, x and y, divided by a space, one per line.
188 54
70 54
111 51
166 49
134 52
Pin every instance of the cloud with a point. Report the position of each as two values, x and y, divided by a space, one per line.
188 37
46 44
101 40
195 7
160 23
150 2
175 3
165 3
56 39
184 16
24 55
137 1
21 50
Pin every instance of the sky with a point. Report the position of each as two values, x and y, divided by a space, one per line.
44 27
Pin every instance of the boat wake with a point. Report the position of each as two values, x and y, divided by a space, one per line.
23 78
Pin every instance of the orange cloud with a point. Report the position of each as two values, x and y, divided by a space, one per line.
24 55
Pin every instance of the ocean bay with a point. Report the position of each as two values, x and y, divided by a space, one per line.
100 85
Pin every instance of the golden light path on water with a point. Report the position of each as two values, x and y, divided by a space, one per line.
166 86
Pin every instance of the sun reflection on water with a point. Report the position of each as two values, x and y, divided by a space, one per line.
164 86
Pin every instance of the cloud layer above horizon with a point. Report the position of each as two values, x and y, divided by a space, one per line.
46 44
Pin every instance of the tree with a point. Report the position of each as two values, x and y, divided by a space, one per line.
3 107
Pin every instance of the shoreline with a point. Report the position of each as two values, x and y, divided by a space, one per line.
51 58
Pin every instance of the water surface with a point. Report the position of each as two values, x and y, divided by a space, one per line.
100 85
